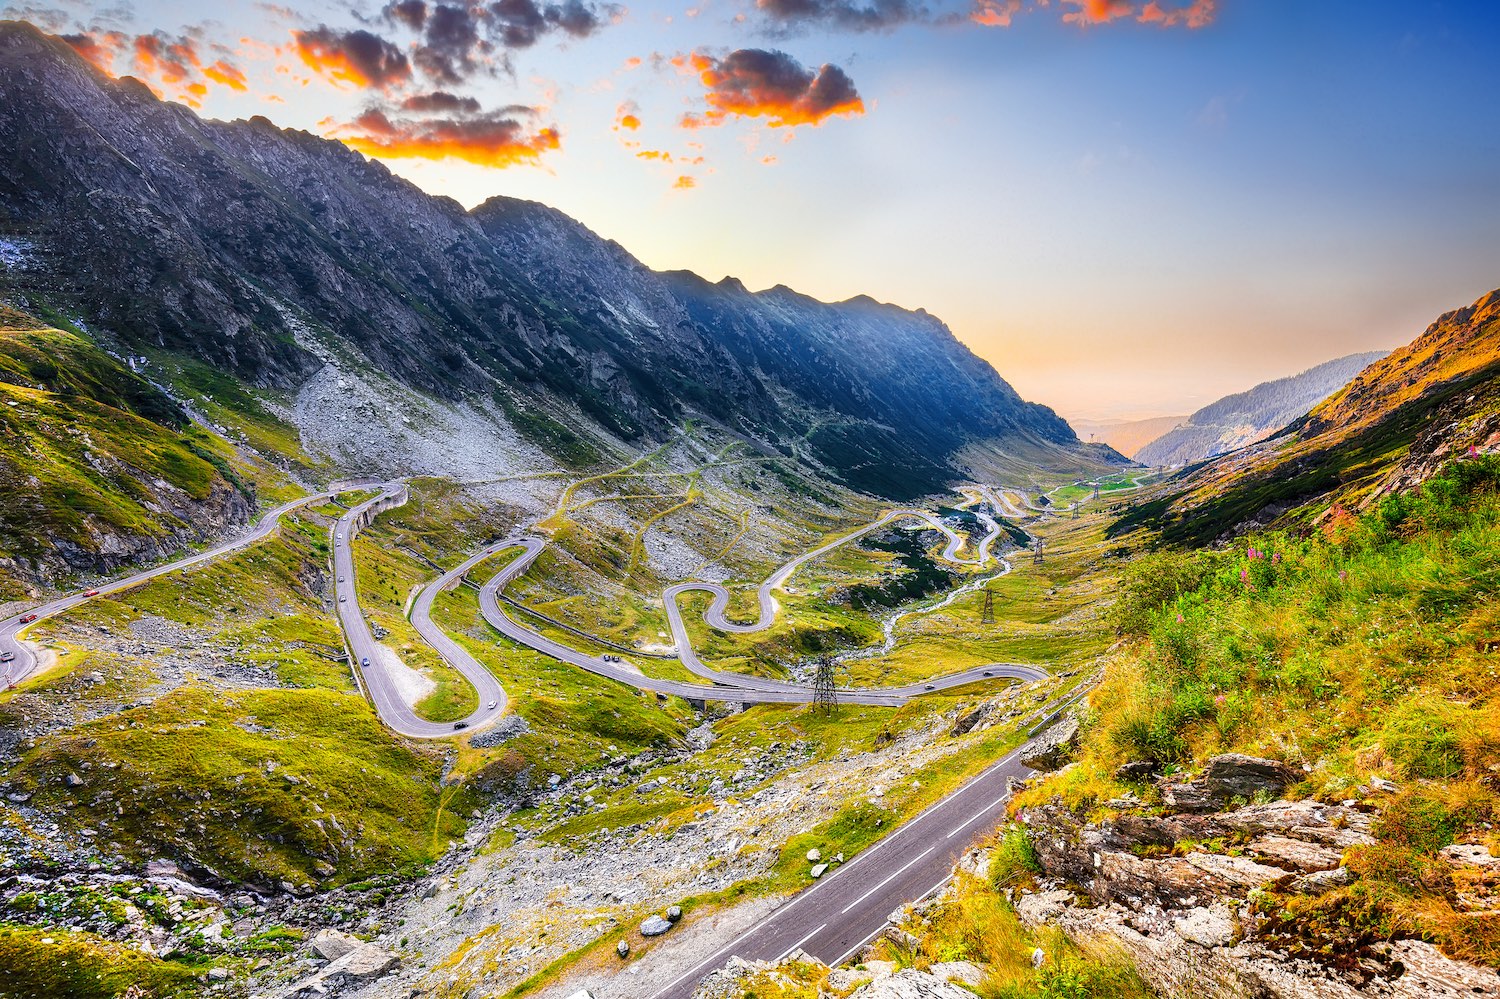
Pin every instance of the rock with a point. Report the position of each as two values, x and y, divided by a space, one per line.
1296 853
1052 748
965 973
674 913
818 869
966 723
1138 771
1035 908
582 994
814 855
911 984
365 961
622 948
1227 778
654 926
333 944
1469 855
1429 973
1319 882
1208 926
507 728
72 780
218 974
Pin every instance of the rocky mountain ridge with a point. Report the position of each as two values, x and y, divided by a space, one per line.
227 241
1245 417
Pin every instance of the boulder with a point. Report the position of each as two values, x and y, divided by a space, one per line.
818 869
622 948
366 961
1297 853
1138 771
674 913
814 855
1227 778
654 926
333 944
965 973
911 984
1054 747
967 721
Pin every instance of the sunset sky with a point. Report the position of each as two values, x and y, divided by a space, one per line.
1130 208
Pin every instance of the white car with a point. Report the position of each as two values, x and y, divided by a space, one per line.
343 598
491 705
341 579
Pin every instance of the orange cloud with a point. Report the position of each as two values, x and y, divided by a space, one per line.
755 83
628 117
356 58
654 154
1199 14
995 13
489 140
1097 11
99 48
684 182
226 75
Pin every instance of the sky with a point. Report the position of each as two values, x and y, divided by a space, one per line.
1129 207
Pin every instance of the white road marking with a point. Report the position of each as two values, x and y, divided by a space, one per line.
783 955
888 880
977 815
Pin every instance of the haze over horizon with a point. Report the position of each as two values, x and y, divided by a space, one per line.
1129 208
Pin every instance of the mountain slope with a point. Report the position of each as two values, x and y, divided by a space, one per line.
1389 428
265 252
1245 417
1126 436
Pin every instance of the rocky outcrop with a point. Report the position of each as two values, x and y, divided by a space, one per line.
1226 779
1186 915
1054 747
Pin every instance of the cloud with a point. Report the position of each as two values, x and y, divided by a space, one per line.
358 58
440 101
878 15
1197 14
756 83
628 116
494 139
684 183
995 13
99 48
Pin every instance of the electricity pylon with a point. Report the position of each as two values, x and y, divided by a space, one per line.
988 617
1036 552
825 693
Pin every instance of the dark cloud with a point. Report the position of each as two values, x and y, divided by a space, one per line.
98 47
878 15
756 83
358 57
440 102
495 139
450 45
412 13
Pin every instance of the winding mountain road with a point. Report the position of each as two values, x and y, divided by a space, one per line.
23 661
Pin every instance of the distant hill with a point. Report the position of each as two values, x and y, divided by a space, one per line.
1125 436
1388 429
1246 417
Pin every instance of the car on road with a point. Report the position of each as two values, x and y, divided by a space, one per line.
27 618
988 673
365 661
930 687
91 593
341 579
343 598
6 657
491 705
460 724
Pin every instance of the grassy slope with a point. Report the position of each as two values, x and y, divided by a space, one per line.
1367 649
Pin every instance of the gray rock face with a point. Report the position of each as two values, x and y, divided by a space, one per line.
333 944
655 926
1054 747
507 728
1227 778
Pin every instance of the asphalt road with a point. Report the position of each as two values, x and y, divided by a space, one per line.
851 903
380 685
726 686
24 661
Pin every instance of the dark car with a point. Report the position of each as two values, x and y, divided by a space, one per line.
365 661
460 724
